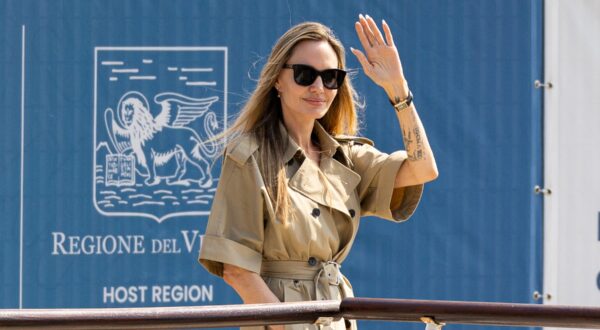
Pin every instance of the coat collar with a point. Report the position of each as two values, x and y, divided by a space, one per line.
329 145
332 184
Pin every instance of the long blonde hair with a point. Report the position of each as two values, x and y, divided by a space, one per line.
262 113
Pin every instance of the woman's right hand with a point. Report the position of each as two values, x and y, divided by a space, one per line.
380 59
249 285
276 327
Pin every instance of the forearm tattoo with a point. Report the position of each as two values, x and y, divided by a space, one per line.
413 139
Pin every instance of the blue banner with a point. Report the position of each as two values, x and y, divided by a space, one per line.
106 177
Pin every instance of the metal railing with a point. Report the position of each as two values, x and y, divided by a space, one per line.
433 312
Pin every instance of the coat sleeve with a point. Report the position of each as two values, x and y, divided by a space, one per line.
376 190
235 230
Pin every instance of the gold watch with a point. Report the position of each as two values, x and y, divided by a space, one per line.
404 103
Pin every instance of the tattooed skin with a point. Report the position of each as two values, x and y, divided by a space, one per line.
413 139
407 139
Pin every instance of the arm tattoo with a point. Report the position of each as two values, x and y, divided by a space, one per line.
407 139
414 148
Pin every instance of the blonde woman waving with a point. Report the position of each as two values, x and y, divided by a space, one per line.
296 180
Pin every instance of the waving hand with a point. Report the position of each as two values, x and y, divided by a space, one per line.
380 59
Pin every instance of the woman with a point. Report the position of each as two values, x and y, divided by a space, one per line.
295 181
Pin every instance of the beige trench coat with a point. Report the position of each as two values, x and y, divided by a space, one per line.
299 260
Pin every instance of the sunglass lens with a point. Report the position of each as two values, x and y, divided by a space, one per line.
340 78
332 78
304 75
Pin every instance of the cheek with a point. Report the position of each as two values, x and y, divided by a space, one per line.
291 97
293 93
332 95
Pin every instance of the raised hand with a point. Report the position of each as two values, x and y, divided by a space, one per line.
380 60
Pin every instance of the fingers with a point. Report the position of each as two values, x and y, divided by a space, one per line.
370 30
366 30
362 36
362 59
374 30
388 33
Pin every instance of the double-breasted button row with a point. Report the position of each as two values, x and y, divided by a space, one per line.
316 212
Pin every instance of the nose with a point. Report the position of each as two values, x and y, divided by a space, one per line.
317 84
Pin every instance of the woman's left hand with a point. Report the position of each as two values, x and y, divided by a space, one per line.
380 61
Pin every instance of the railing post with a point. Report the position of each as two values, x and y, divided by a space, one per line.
432 324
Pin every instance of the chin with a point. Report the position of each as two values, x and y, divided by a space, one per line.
318 113
322 114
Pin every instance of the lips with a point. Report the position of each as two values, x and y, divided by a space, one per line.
315 101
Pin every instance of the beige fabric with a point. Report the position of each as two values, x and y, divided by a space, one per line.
243 231
299 281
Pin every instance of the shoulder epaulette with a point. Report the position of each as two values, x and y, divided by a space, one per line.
242 148
353 139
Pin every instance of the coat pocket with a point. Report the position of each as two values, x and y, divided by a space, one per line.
294 290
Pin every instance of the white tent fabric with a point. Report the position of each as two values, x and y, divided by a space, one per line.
572 152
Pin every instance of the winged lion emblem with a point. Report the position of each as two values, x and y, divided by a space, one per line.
165 147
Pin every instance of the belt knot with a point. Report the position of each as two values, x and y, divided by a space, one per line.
326 275
331 271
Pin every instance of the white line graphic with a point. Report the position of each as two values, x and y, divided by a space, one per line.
182 78
22 166
113 78
196 69
163 192
112 62
172 68
108 193
142 77
147 61
197 202
125 70
226 50
140 196
148 203
192 191
201 83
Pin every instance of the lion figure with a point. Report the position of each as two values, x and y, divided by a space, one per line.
165 139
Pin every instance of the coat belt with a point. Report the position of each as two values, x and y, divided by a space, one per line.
326 276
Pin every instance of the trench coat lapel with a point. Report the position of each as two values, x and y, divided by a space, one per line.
341 181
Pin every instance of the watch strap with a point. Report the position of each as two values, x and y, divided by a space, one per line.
404 103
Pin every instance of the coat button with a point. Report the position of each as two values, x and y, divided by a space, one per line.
312 261
316 212
352 212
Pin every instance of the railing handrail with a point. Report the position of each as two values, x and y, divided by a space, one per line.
471 312
404 310
212 316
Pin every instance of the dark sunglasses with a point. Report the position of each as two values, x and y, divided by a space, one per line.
305 75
